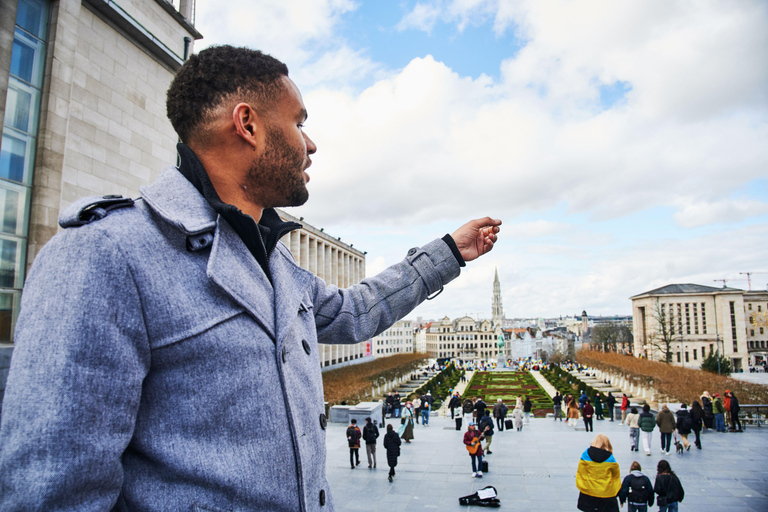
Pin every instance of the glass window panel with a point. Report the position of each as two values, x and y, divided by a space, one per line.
21 107
8 257
16 156
9 307
32 16
13 208
27 58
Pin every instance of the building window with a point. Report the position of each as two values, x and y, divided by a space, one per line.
751 332
17 152
695 358
678 357
687 320
679 319
733 326
761 331
686 357
749 307
703 319
759 308
695 319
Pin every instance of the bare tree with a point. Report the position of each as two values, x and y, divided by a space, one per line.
666 327
609 337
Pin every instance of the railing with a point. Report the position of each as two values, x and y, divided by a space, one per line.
753 414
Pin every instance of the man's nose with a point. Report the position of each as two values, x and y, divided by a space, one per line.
311 147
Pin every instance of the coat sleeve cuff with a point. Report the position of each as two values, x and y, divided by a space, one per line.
448 239
436 265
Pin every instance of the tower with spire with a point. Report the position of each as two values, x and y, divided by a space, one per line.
497 311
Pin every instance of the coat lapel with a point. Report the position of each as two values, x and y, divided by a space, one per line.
291 284
236 271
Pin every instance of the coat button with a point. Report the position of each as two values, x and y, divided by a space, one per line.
305 344
412 251
284 351
323 421
322 497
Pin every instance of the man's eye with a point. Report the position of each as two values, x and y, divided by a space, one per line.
301 126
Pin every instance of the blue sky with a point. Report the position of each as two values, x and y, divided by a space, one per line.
623 145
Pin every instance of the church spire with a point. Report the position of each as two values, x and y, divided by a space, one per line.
497 311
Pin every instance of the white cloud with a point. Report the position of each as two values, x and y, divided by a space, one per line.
701 213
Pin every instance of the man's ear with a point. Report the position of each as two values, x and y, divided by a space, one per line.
246 122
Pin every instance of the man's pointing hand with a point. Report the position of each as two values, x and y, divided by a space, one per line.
476 237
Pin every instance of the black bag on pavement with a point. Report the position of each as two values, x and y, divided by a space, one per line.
459 420
508 424
485 466
485 497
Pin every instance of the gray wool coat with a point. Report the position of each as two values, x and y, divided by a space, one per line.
157 368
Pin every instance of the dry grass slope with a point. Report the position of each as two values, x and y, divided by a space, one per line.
679 384
352 382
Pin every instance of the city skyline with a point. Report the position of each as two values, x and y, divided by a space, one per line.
623 145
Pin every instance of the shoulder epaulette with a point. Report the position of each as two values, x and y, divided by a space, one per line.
90 209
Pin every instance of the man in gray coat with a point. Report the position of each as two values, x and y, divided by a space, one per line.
166 350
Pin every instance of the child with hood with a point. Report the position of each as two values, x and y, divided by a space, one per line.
598 477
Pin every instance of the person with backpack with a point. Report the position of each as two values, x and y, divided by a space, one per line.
467 408
486 426
527 409
353 438
636 490
668 488
454 404
370 435
667 424
647 423
610 403
392 446
684 425
709 415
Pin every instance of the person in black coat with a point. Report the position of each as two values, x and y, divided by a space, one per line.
684 425
479 409
667 486
454 403
392 445
735 408
610 402
370 435
697 417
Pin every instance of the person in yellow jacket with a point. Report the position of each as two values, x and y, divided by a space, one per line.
598 478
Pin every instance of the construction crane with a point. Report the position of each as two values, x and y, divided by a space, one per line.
749 280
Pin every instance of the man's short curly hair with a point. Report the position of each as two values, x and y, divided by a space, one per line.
215 75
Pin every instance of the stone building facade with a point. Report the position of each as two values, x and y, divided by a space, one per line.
82 96
464 339
700 319
398 339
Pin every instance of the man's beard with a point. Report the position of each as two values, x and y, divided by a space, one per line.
277 178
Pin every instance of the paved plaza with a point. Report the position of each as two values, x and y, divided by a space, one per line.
536 469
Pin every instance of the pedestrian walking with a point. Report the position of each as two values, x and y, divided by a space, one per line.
406 423
668 488
667 424
557 401
486 426
684 425
588 413
633 420
353 438
426 408
499 413
647 423
417 408
527 409
454 404
610 402
479 409
517 417
573 411
598 407
598 477
624 407
370 435
392 446
397 405
697 417
636 490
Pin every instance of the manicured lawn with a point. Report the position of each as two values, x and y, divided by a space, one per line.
508 386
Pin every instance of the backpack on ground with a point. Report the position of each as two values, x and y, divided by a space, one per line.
639 492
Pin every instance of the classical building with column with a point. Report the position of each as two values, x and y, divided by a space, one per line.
699 320
337 264
398 339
